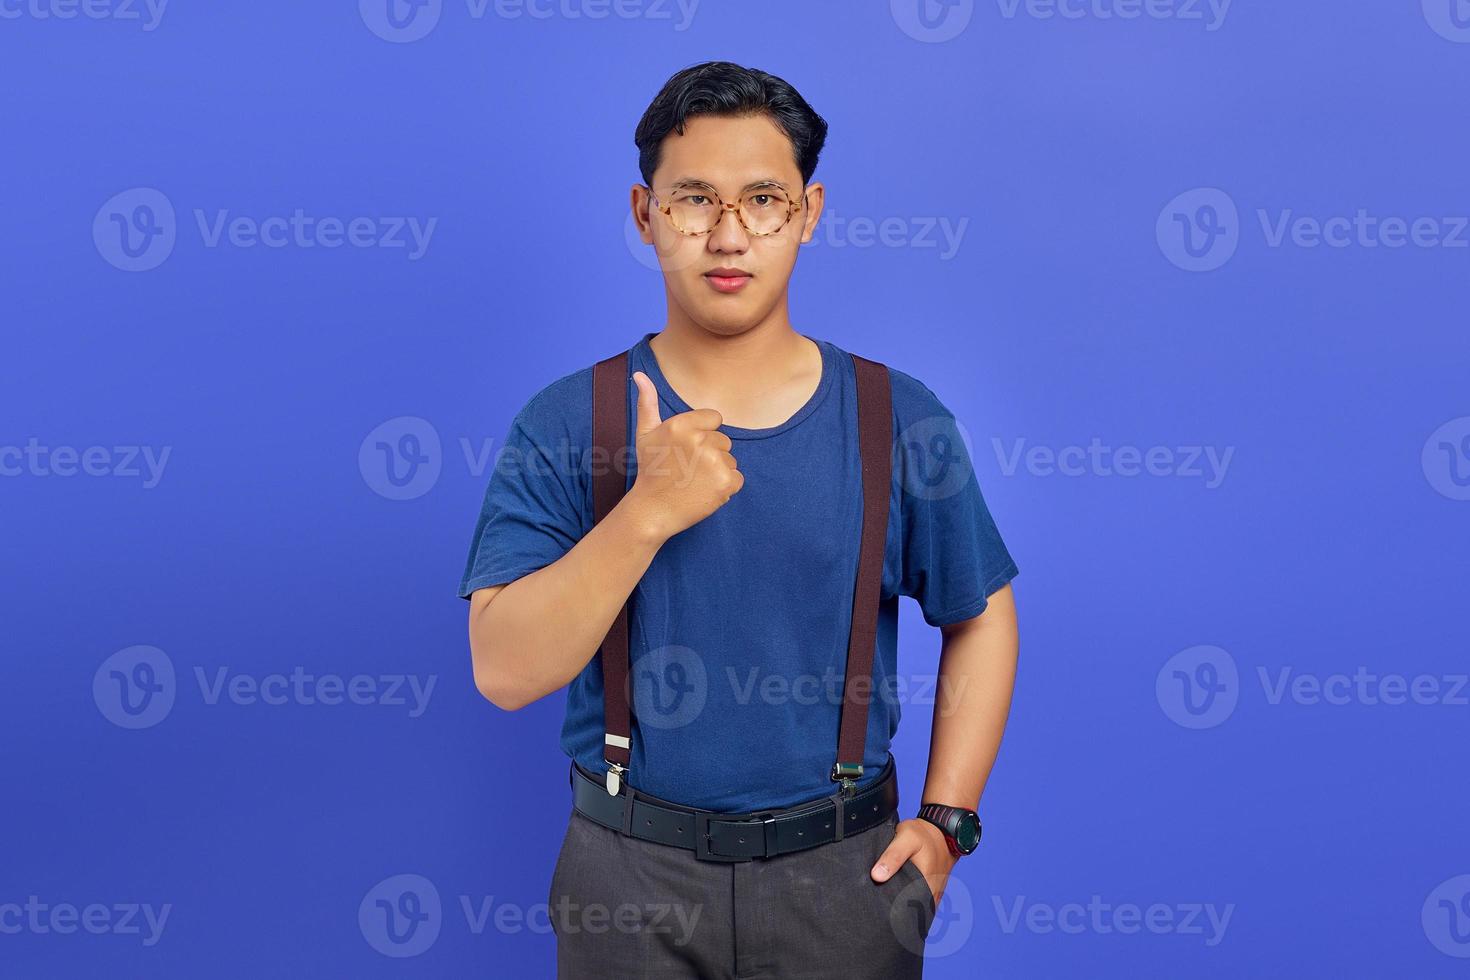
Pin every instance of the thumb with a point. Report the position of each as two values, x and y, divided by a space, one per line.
893 856
648 419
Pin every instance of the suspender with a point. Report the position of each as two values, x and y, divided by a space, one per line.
610 380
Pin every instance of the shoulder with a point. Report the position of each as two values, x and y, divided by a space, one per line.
560 409
913 400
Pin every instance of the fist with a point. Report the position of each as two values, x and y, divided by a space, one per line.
685 470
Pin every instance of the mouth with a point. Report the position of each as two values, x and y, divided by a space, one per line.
727 280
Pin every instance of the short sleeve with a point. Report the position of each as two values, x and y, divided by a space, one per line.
532 512
953 554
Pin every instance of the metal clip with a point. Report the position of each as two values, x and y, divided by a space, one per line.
847 774
615 778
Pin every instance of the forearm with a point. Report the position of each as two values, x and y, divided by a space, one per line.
540 631
977 674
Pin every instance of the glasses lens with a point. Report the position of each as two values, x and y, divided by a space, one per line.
694 210
765 210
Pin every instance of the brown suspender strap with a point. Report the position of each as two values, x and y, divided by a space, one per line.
610 380
875 450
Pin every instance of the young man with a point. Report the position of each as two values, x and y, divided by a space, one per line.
717 829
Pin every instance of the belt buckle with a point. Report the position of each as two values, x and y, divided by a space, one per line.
701 836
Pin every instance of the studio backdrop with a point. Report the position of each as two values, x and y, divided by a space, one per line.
275 278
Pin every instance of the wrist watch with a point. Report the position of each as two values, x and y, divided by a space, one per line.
961 827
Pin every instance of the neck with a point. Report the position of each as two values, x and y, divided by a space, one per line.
759 374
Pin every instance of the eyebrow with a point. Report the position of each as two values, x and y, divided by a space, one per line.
696 182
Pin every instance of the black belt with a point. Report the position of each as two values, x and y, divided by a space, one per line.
716 836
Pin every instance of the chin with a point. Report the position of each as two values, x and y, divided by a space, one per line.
733 318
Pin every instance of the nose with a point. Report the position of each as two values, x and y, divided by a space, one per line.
729 235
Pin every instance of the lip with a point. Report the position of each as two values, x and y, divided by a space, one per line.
727 280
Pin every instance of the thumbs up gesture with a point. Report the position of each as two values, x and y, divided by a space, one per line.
685 469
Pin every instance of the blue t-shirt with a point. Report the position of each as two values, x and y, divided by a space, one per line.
739 628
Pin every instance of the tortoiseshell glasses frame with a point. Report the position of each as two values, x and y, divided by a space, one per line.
792 207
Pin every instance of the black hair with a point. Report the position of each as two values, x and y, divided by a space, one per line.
722 88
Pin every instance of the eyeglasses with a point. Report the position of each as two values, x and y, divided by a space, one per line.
696 209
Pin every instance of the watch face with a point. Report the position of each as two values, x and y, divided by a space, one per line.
967 833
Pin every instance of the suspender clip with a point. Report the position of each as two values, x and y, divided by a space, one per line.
847 774
614 777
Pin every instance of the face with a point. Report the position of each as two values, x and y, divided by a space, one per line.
732 158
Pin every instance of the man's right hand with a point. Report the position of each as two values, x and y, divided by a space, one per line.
685 469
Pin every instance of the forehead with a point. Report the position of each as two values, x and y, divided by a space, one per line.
728 152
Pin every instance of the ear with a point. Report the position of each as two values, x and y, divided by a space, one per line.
811 209
639 201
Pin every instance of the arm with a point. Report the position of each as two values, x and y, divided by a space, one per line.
977 672
535 634
532 636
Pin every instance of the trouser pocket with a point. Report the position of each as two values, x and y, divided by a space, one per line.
555 888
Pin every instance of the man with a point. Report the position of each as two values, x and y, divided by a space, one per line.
736 549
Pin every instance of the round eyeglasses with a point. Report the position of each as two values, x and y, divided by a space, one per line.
696 209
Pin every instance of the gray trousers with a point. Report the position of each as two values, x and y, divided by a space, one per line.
625 907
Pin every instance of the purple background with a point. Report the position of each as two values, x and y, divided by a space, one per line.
1334 541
